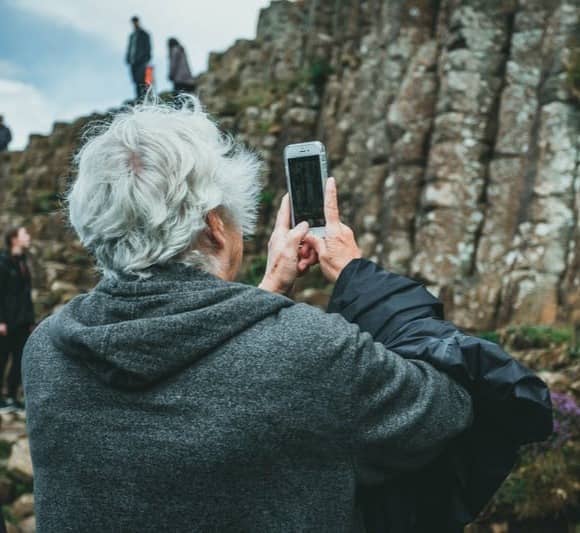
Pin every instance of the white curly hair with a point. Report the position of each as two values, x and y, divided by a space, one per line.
146 181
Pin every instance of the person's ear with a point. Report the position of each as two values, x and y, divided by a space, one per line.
216 229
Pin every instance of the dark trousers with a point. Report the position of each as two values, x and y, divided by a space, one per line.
13 344
138 73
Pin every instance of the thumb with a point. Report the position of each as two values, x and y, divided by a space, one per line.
298 233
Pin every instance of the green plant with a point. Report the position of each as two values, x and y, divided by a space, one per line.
492 336
542 485
527 337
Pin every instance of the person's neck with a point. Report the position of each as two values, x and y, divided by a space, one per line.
16 250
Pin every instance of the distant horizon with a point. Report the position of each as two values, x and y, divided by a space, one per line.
63 60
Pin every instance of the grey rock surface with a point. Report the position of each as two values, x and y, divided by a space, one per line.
19 463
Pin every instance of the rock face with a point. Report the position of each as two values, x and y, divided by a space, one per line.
32 183
453 129
23 507
19 463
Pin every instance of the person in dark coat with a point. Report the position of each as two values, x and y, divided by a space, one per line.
179 72
16 310
5 135
512 406
138 55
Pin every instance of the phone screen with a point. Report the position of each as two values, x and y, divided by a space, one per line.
307 195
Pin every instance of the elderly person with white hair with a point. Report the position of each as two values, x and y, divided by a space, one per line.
172 398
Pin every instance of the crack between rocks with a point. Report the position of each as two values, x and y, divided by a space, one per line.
309 23
392 166
413 224
493 123
530 172
575 216
531 166
496 309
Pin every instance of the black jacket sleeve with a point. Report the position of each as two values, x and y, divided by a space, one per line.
512 406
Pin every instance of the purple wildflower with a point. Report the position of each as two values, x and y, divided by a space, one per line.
565 404
566 419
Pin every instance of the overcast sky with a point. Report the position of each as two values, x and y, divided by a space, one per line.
60 59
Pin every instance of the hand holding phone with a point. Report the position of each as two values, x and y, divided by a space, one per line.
287 258
338 247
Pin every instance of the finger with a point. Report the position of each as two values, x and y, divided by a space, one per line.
283 217
298 233
304 250
331 203
305 263
314 242
312 257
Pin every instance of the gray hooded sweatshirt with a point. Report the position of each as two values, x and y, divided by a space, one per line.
187 403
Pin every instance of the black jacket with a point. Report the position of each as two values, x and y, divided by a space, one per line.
16 307
512 406
142 53
5 137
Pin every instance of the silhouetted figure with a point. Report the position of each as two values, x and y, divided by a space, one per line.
138 55
16 311
179 72
5 135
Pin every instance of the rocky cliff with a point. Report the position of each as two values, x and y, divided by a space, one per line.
452 127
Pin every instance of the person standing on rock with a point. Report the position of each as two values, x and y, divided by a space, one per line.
5 135
179 72
138 55
16 310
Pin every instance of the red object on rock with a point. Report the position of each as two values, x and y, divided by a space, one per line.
149 75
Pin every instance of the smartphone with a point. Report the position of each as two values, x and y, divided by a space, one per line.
306 174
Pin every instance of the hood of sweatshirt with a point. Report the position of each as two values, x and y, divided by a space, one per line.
134 333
